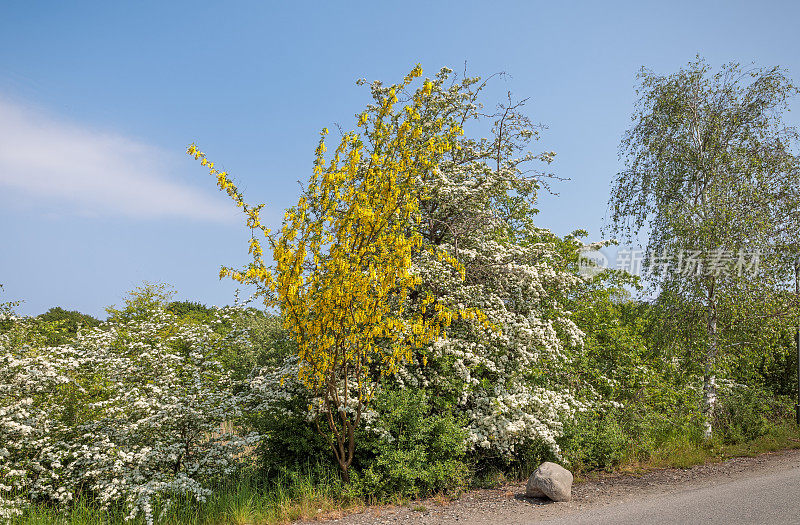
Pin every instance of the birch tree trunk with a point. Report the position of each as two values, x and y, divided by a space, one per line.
710 377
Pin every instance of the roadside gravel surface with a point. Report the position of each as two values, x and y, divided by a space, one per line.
761 489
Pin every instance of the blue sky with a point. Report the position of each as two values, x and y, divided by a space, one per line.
98 101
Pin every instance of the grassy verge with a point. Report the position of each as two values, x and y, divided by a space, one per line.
685 453
248 500
315 493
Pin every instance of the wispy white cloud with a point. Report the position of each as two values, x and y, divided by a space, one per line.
86 172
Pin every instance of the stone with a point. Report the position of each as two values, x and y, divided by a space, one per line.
550 480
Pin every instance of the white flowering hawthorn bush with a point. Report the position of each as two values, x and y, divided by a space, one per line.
32 444
129 413
509 381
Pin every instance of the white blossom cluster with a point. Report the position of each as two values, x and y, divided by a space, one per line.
479 208
130 411
271 389
507 379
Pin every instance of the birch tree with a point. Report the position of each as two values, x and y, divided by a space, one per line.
709 171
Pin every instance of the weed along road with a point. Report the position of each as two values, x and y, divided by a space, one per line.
761 489
771 497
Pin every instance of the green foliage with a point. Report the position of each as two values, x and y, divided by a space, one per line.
191 310
139 303
747 413
272 343
776 365
288 439
55 327
268 341
62 325
594 441
634 369
407 449
415 451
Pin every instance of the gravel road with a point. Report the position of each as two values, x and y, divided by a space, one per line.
772 498
762 489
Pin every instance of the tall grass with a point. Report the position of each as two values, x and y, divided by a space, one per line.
251 499
684 451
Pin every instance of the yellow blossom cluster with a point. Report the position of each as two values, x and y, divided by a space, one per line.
257 271
343 272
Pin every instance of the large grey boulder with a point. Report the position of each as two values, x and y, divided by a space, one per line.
550 480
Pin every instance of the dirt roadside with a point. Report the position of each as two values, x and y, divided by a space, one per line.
507 504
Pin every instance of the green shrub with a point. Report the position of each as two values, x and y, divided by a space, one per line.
746 413
68 322
289 441
594 440
411 450
192 310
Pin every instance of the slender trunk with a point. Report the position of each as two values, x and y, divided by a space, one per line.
710 379
346 444
345 473
797 335
343 442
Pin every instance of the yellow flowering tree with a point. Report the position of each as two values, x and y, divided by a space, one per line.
342 272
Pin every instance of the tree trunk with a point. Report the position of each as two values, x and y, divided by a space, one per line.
797 336
345 457
710 378
345 472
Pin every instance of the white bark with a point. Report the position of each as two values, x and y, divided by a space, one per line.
710 378
709 403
